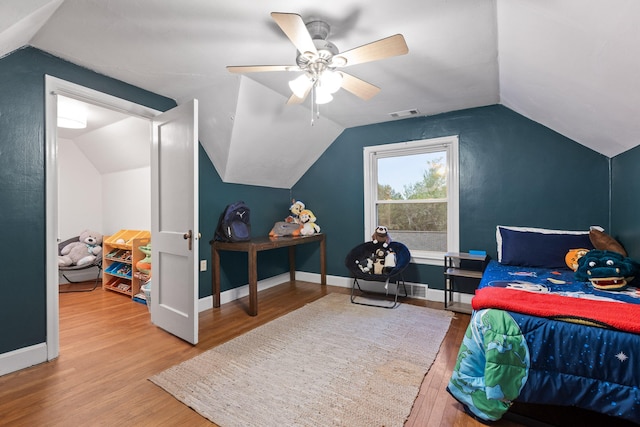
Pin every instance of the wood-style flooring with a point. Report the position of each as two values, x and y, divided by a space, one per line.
109 347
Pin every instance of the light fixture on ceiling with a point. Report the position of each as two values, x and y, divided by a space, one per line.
72 114
324 85
320 77
318 59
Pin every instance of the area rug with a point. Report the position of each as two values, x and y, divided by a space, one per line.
329 363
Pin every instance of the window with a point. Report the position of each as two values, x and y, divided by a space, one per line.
412 188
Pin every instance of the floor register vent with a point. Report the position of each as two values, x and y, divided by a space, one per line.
416 290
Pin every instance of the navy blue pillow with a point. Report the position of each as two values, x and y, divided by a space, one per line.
530 247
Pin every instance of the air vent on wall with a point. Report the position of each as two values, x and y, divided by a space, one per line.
416 291
404 113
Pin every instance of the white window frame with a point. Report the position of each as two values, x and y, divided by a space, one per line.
448 144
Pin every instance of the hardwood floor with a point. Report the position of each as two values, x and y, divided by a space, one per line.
108 349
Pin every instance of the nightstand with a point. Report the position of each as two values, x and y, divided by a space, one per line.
462 271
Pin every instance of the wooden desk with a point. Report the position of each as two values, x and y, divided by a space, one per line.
252 247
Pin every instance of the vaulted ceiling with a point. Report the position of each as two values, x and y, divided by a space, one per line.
570 65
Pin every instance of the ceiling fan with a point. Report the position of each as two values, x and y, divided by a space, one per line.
319 60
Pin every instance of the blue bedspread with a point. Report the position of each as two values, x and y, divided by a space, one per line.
507 356
545 280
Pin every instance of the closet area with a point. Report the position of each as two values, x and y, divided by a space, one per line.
104 185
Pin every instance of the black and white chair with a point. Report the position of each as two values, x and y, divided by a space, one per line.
354 263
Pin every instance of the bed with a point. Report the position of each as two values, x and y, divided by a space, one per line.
538 335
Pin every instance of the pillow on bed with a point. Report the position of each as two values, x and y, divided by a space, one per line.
538 247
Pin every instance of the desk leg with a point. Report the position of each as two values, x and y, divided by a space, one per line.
323 261
253 281
215 276
292 263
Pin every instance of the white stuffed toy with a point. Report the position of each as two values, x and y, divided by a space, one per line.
366 265
308 224
389 261
85 251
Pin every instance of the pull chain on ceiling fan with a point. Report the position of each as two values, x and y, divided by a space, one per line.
319 59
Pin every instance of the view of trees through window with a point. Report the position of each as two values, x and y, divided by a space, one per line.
412 199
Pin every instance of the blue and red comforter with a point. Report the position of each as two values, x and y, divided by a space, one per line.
546 341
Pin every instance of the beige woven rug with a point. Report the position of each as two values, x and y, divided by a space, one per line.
329 363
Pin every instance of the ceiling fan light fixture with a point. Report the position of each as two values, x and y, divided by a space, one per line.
318 58
331 81
299 85
322 96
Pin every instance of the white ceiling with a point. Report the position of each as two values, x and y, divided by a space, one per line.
572 65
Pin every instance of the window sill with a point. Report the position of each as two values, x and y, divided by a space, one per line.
428 258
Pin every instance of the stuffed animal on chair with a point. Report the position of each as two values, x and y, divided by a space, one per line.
365 264
381 235
85 251
378 261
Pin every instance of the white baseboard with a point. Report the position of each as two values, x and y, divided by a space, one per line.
22 358
242 291
343 282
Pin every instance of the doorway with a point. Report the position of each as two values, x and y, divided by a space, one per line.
54 88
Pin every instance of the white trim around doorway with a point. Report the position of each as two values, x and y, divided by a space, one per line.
53 87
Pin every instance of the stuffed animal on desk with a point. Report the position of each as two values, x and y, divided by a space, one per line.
308 224
296 208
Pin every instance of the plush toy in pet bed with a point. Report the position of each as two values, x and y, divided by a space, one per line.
85 251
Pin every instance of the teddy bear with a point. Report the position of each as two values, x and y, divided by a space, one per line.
381 234
85 251
308 224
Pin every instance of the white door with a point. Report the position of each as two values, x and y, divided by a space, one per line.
174 221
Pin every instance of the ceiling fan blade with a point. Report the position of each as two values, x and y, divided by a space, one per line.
293 99
261 68
358 87
293 26
384 48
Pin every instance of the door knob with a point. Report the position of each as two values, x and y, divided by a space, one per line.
188 236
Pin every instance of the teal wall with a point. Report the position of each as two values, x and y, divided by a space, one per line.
625 202
513 171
